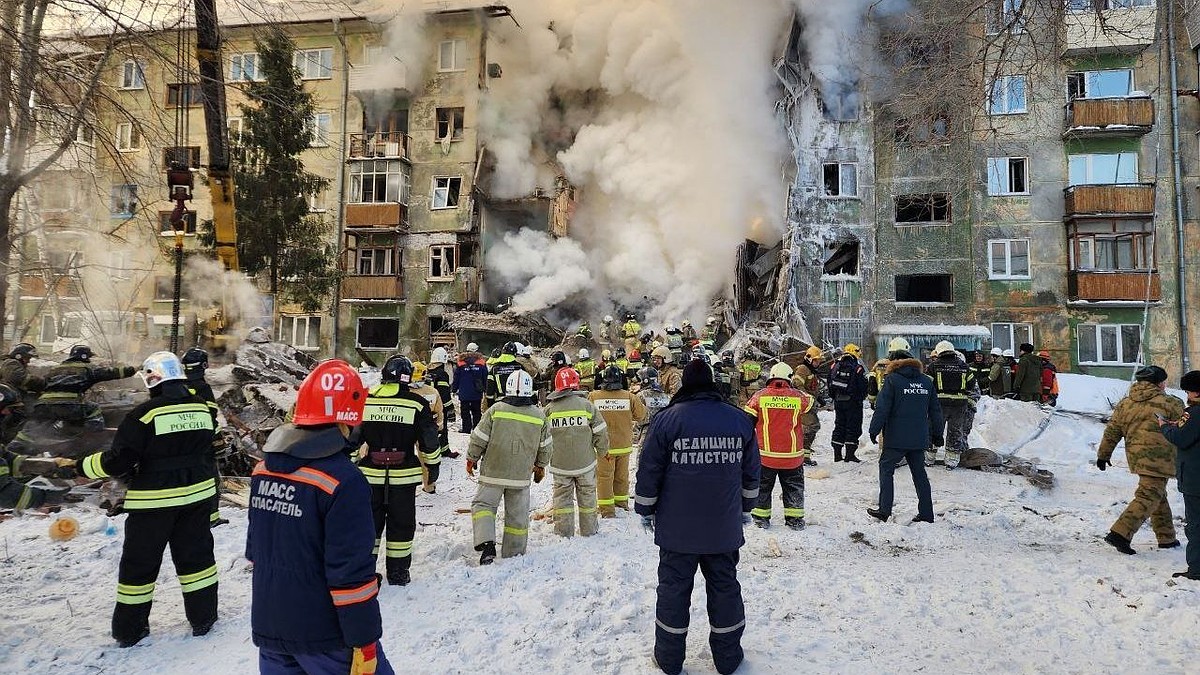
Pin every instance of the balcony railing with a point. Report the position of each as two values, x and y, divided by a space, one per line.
379 145
383 215
357 287
1096 286
1121 199
1112 117
1112 29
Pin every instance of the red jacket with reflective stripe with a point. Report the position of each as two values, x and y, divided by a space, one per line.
778 409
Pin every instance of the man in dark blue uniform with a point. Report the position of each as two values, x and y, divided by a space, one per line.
697 476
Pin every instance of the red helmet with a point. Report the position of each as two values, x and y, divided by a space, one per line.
566 378
332 392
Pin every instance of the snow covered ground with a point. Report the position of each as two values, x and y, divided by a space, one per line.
1010 578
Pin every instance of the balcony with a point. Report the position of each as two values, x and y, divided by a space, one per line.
1121 30
379 145
65 286
356 287
1093 286
1129 199
1109 117
379 216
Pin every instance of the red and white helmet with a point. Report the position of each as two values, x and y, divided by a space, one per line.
566 378
333 392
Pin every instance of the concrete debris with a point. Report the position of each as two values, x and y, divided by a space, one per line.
488 327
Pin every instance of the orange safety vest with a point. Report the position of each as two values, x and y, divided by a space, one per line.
778 410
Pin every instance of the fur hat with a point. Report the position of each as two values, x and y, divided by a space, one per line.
1190 382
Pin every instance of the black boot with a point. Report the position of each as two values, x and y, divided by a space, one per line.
852 448
131 641
399 578
488 555
1120 543
1194 576
837 452
1170 544
879 514
203 628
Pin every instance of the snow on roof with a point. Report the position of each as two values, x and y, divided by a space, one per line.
933 329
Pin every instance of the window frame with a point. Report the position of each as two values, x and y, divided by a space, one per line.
841 175
195 95
1008 274
295 321
993 90
377 253
1118 331
320 134
132 191
301 60
238 62
1089 166
438 252
1011 329
190 219
1087 96
53 326
998 21
128 138
358 181
435 190
238 123
458 60
358 324
923 303
461 128
1007 177
139 72
932 197
119 265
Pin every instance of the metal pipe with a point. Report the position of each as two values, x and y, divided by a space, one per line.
341 182
1177 171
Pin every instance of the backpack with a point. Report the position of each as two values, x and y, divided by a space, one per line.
842 377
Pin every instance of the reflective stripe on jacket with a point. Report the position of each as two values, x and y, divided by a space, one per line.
779 410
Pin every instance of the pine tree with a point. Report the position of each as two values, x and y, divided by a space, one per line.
276 232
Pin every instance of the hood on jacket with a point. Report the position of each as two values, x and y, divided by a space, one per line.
900 364
312 442
563 393
1144 391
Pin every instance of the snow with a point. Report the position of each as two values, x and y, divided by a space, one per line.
933 329
1010 578
1090 394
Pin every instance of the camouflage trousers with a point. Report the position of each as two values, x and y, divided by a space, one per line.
1149 501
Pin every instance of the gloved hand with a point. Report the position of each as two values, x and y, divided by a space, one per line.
63 462
471 468
128 371
648 523
938 441
364 661
1102 464
875 440
539 472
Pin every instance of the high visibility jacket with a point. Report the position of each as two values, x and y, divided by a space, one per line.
440 379
586 368
620 409
67 382
163 447
579 431
875 379
631 329
952 379
401 435
510 440
708 336
779 410
499 369
674 340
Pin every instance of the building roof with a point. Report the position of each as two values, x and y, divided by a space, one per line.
933 329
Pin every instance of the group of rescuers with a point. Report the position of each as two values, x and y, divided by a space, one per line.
705 468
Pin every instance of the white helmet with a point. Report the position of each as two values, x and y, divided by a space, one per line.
518 348
1008 353
525 350
663 353
438 355
781 371
472 347
943 347
710 320
584 354
608 318
687 323
161 367
668 327
996 351
519 384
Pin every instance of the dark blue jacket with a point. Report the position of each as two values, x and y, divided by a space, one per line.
1185 436
698 472
470 381
852 386
907 409
310 539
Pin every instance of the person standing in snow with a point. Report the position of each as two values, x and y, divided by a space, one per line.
979 370
999 375
1185 436
580 437
807 378
440 379
652 395
956 393
1049 379
848 387
908 417
778 411
1028 379
622 410
1149 454
470 382
698 473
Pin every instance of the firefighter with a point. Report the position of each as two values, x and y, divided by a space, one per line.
525 358
879 370
545 379
848 387
749 377
956 393
15 494
689 333
621 411
424 385
778 410
651 394
630 331
499 368
314 606
513 442
195 362
979 370
401 435
632 367
669 375
999 375
14 370
708 337
674 341
585 366
724 372
439 377
62 399
580 437
607 331
808 380
163 449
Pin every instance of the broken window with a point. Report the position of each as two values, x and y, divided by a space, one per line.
378 333
843 259
123 200
1008 259
48 332
923 208
442 261
165 226
445 192
924 288
840 179
450 124
186 156
935 129
1007 176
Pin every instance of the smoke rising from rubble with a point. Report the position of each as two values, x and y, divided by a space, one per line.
207 284
662 113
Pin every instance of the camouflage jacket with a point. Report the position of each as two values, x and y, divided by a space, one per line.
1146 450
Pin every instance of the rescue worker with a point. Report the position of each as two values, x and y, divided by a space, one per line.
622 361
423 386
698 475
1151 456
14 370
15 494
674 341
778 411
62 398
1185 436
621 411
980 370
580 437
545 379
1027 381
907 420
749 378
513 442
195 363
470 383
585 366
724 374
525 358
848 387
708 337
315 606
999 375
585 330
1011 362
630 331
879 371
956 393
1049 378
499 368
807 378
608 332
670 378
163 449
439 377
652 395
401 435
631 369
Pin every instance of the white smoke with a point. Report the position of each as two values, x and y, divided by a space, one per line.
662 112
563 262
207 285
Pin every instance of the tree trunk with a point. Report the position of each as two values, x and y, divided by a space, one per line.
7 196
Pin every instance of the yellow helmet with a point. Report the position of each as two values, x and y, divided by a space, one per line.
781 371
814 352
853 350
418 371
606 354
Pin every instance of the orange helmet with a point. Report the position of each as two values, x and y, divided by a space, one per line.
1044 354
566 378
332 392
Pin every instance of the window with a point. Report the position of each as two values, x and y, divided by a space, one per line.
85 134
450 124
1007 95
1010 335
1005 15
164 288
186 95
244 67
189 156
378 181
318 128
840 180
236 125
132 75
1008 259
314 64
129 138
1109 344
378 333
119 264
1007 176
445 192
924 208
443 261
924 288
452 55
301 332
1100 84
317 201
1112 246
122 200
935 129
376 261
48 331
1102 168
842 259
166 227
